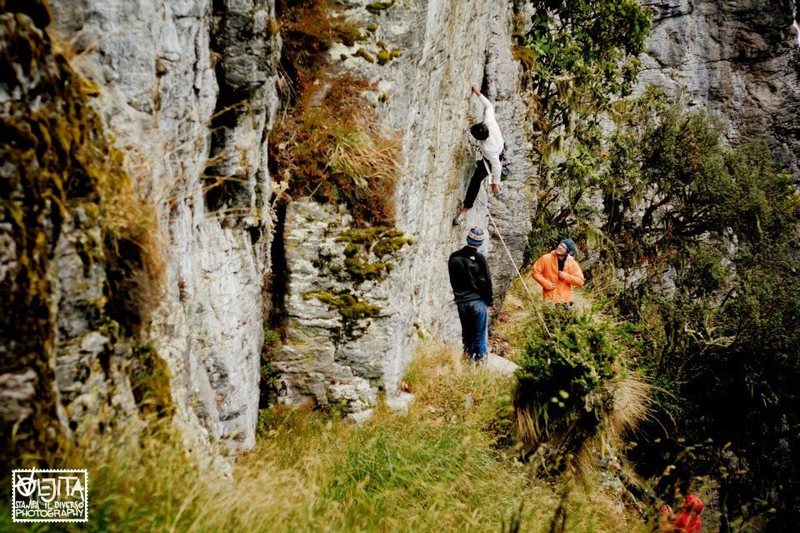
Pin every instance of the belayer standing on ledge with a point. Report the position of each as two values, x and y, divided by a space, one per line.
491 144
557 272
472 289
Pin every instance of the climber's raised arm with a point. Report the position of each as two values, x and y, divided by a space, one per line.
488 107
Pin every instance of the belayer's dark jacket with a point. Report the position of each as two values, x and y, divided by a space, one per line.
469 276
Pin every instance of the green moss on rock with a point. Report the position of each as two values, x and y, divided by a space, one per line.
367 251
384 56
362 270
353 310
377 7
362 52
351 250
150 382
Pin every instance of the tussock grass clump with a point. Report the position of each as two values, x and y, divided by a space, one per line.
308 29
574 395
331 147
328 143
442 467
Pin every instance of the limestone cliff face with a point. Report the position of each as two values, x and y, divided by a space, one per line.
187 88
80 267
188 91
425 96
739 59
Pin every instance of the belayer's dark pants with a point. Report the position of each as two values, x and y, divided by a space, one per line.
474 316
475 183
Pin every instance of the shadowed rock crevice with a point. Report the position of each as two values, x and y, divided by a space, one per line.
246 62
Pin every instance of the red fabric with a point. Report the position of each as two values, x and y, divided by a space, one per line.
693 503
687 522
688 518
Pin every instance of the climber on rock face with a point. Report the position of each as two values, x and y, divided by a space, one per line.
472 289
491 144
557 272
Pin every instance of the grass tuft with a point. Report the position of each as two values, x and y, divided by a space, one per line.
328 144
441 467
331 147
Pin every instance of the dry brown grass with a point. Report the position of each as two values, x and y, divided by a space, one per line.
331 147
328 144
631 397
440 468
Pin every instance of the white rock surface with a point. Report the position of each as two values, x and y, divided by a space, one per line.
500 365
736 58
160 96
400 402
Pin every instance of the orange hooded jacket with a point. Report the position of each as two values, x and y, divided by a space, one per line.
545 272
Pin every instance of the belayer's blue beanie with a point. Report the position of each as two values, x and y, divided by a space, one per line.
475 236
570 244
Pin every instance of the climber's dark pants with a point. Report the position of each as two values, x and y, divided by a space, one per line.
475 183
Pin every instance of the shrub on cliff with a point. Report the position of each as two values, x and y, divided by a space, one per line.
703 235
572 389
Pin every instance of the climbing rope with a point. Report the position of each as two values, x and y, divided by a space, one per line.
539 315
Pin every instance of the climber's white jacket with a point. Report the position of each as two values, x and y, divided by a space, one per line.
493 145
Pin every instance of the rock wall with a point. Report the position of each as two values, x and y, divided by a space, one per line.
187 91
424 94
74 239
187 88
739 59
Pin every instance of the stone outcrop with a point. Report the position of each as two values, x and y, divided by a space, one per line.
739 59
341 315
188 90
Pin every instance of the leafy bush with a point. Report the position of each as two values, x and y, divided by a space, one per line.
700 232
578 58
580 55
568 365
558 374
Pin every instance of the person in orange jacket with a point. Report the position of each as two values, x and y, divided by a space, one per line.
557 272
